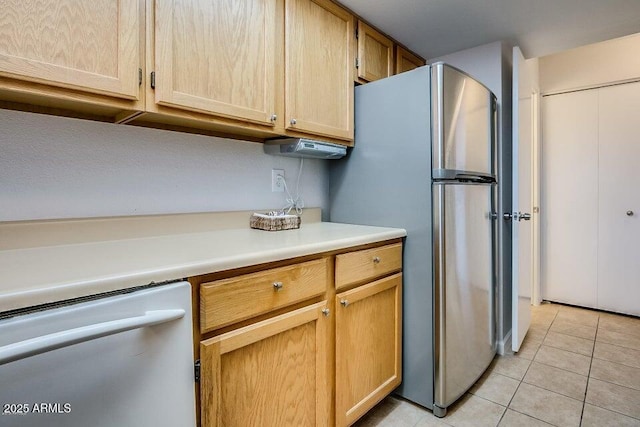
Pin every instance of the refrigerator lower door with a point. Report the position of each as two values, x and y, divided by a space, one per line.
464 288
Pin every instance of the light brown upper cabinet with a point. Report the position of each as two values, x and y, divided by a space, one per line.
318 68
250 69
375 54
407 61
71 51
260 68
217 57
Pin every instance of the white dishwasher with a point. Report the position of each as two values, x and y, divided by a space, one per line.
120 360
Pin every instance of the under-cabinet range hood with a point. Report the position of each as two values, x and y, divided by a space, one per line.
307 148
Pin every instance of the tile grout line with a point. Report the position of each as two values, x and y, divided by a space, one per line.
565 370
570 351
614 362
525 374
545 330
532 417
615 412
584 401
617 362
615 384
553 391
562 369
621 346
591 358
572 336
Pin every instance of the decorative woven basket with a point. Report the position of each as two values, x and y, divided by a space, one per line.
274 222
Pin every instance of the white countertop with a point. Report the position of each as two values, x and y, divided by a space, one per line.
41 274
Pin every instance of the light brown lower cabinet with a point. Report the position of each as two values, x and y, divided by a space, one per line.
310 342
368 346
272 373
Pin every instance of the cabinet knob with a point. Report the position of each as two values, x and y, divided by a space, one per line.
326 312
629 213
376 260
273 118
344 302
293 121
277 285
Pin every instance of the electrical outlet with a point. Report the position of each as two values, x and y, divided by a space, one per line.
277 180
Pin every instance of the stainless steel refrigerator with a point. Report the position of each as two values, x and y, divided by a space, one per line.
425 160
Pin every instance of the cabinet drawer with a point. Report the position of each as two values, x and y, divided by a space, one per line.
228 301
361 266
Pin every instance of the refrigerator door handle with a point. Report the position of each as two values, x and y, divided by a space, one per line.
463 177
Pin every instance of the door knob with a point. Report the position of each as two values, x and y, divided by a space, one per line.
629 213
517 216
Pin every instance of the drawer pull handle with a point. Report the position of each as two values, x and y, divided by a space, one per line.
277 286
344 302
326 312
376 260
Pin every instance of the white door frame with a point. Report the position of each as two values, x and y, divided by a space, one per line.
536 144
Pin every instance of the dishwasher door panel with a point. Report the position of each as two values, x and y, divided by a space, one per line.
139 377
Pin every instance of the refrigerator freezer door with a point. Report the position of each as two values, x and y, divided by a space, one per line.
463 123
464 287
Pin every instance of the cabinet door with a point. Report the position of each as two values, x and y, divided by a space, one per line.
272 373
90 46
368 346
618 199
217 57
319 68
406 61
569 198
375 54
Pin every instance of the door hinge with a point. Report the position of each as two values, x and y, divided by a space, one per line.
139 76
357 63
196 370
153 80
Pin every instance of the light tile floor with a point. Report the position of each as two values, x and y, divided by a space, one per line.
576 367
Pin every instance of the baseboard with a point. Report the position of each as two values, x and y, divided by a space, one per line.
504 345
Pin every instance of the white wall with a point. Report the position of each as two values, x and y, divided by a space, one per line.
481 62
492 65
593 65
533 67
56 167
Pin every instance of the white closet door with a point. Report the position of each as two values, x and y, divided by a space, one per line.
569 199
619 199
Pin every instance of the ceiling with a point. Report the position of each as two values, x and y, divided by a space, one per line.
434 28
